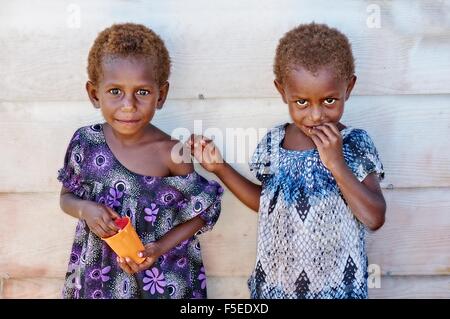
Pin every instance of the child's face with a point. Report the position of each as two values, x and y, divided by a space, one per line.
127 94
314 99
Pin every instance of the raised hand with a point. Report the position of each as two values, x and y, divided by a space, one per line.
206 152
328 140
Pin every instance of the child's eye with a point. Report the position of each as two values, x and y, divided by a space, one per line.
143 92
329 101
114 91
301 102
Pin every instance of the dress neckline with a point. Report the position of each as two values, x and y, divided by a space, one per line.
344 133
102 133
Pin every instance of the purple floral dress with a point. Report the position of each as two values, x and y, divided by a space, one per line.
154 204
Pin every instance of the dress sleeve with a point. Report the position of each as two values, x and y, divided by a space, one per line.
361 155
204 200
264 160
70 175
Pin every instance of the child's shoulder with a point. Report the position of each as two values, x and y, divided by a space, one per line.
270 142
273 135
88 131
265 157
355 135
83 135
358 144
278 130
163 142
180 161
176 154
361 154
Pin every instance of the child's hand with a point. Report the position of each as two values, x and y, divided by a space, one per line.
328 140
206 152
99 219
151 254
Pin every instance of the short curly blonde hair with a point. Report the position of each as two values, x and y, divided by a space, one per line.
314 46
125 40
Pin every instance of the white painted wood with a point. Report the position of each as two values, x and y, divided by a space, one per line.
223 48
410 132
36 237
32 288
416 235
412 287
228 288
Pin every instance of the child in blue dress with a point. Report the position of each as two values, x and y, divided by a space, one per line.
124 167
319 179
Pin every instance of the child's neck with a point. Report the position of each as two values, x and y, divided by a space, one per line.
127 140
296 140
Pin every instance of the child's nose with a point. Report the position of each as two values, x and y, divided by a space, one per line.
128 104
316 113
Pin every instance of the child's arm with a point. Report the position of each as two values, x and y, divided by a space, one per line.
155 249
364 198
210 158
99 218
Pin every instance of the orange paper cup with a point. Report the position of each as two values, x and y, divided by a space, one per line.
126 243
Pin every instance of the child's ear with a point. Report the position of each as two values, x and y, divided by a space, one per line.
163 91
91 90
280 89
350 86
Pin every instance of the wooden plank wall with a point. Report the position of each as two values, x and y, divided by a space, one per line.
222 55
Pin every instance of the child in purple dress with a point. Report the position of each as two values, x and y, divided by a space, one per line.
124 167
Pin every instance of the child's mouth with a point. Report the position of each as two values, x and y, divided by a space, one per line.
309 128
127 121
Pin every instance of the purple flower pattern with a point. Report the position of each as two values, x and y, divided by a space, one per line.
154 281
172 200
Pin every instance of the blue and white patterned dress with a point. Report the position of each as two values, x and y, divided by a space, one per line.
310 245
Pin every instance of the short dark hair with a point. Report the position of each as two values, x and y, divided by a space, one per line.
125 40
314 46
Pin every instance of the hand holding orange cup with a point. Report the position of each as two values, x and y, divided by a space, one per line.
126 242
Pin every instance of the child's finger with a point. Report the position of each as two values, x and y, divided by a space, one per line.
113 214
134 267
112 226
188 144
318 133
327 132
98 232
210 152
146 264
204 141
191 140
103 229
104 226
101 233
109 224
194 138
316 141
124 265
198 152
333 128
